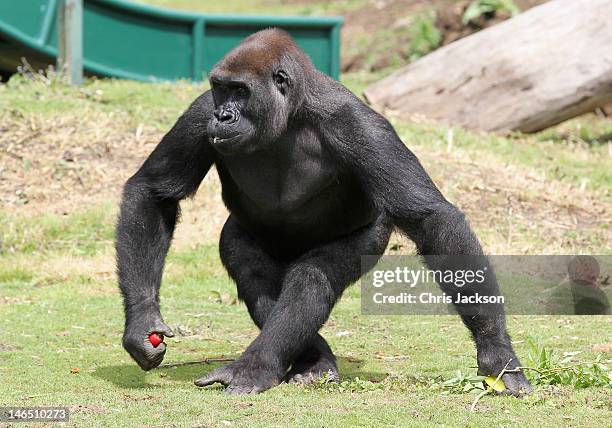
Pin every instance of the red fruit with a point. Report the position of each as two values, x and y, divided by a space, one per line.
156 339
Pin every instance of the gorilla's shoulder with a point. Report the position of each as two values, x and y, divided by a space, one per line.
203 102
200 109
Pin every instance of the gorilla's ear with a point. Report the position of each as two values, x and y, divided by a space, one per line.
282 81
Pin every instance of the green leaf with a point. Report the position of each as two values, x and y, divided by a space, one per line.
496 384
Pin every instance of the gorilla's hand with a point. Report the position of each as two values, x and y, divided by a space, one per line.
516 384
136 340
493 359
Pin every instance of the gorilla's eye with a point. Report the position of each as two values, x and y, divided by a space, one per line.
282 80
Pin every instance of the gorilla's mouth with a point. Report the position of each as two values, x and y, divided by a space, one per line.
217 140
226 144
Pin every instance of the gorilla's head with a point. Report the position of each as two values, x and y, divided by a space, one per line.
258 88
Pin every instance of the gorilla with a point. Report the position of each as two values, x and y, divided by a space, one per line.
313 179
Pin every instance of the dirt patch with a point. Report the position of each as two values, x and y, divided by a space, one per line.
82 408
603 347
4 347
378 35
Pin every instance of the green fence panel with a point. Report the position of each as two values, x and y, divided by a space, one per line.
135 41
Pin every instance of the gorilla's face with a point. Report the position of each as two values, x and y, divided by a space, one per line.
250 112
257 89
231 127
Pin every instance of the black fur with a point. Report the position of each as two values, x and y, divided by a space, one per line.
313 179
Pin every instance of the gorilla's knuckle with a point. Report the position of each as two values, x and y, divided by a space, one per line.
129 343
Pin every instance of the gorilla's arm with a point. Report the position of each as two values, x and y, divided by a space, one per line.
149 211
399 185
397 182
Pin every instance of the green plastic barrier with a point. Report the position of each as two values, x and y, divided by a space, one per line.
135 41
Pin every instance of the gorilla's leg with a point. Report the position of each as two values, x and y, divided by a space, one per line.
317 360
257 275
258 279
310 288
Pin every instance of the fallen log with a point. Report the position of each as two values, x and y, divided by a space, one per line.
546 65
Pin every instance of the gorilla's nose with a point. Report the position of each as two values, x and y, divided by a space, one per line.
225 115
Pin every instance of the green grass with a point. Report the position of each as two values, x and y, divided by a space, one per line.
424 36
60 308
81 233
557 152
54 327
135 102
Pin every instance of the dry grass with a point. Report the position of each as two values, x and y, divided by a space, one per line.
70 161
59 163
521 210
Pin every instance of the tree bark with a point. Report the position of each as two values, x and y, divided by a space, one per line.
544 66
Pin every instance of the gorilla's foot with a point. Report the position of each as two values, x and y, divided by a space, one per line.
310 371
243 376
